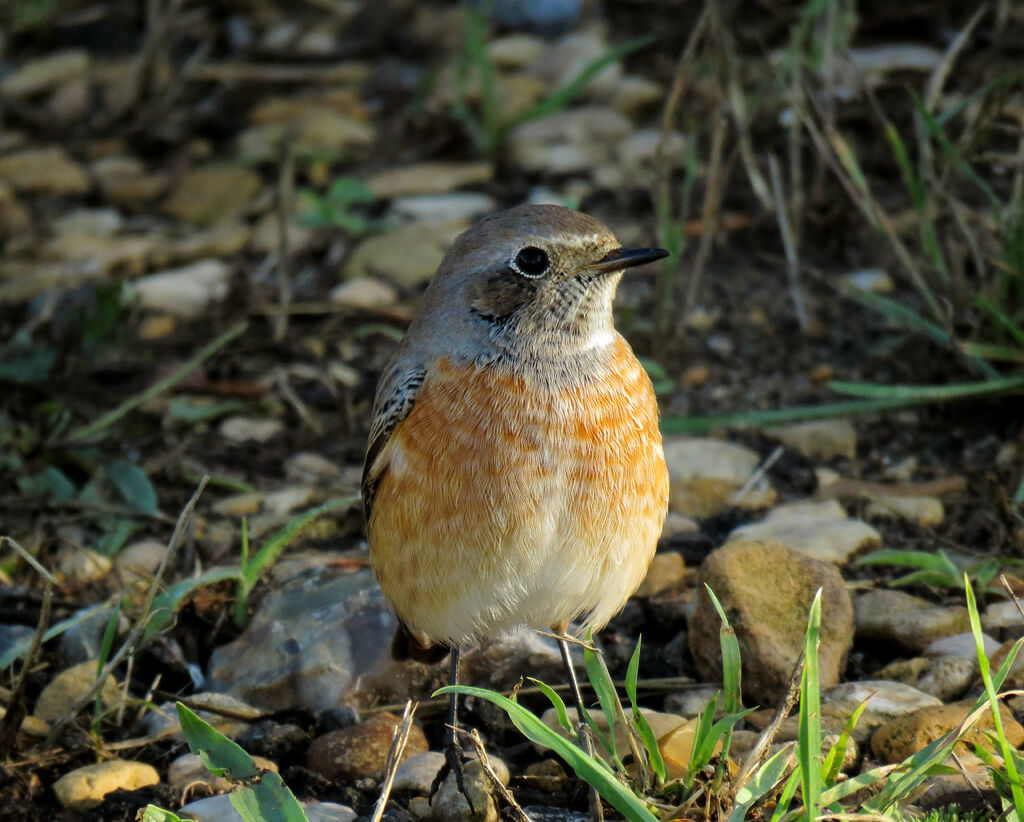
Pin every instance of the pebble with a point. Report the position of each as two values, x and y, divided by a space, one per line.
96 222
572 141
705 473
633 96
242 430
910 622
45 73
767 588
78 566
84 788
209 194
948 677
286 500
83 638
68 687
188 770
219 809
125 182
904 736
308 466
317 131
461 205
676 524
360 750
364 292
127 256
275 741
1000 615
869 279
407 255
139 561
185 292
692 701
818 529
546 17
885 700
927 511
665 573
31 725
516 51
547 776
819 439
222 240
449 803
428 178
13 635
228 715
416 774
676 747
961 645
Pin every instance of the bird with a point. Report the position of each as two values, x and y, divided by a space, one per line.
514 472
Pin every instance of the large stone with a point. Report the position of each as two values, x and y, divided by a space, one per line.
407 255
85 787
43 171
910 622
362 749
904 736
766 590
212 193
705 475
885 700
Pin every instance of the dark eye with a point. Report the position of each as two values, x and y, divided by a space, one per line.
532 261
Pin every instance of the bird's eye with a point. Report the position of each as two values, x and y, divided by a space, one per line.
531 261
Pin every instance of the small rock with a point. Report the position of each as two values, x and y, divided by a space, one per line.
43 171
107 256
638 152
885 700
407 255
634 96
676 747
462 205
908 621
15 220
450 805
275 740
227 714
961 645
239 505
308 466
767 589
948 677
573 141
416 774
125 182
287 500
906 671
676 524
904 736
222 240
30 725
336 718
184 292
82 640
882 59
428 178
546 17
573 54
139 560
316 131
692 701
361 750
927 511
705 474
13 635
817 529
206 195
241 430
96 222
328 812
516 51
952 790
85 787
188 770
364 292
819 439
665 573
45 73
78 566
547 776
870 279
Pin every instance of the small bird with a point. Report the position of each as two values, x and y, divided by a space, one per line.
514 474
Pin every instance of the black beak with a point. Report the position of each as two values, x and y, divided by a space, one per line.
622 258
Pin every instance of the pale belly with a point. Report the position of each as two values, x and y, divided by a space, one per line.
506 505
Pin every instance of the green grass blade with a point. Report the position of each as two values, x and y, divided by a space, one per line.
605 690
786 797
834 761
929 393
763 780
165 604
924 560
557 703
639 721
590 769
899 314
732 690
1001 317
808 749
151 813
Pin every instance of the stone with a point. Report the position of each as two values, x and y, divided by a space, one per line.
224 712
241 430
428 178
286 500
927 511
692 701
43 171
961 645
275 740
634 95
78 566
84 788
819 439
212 193
407 255
676 747
224 239
239 505
313 132
13 635
869 279
30 725
96 222
219 809
885 700
905 620
547 17
361 750
906 671
767 589
139 561
948 677
516 51
308 466
15 220
547 776
460 205
266 236
416 774
1000 615
905 735
665 573
638 152
572 141
126 183
184 292
677 524
572 54
45 73
364 292
450 805
705 474
818 529
126 256
188 770
82 639
953 790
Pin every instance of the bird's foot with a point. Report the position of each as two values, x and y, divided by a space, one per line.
454 764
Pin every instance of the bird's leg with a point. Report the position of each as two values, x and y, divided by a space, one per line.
452 747
582 728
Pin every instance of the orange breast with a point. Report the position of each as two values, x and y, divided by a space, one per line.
509 502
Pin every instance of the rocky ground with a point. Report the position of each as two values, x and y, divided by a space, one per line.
216 219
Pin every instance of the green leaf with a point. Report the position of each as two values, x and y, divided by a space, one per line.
590 769
929 393
51 482
808 749
26 362
763 780
557 703
133 485
605 690
200 409
151 813
639 721
167 603
21 648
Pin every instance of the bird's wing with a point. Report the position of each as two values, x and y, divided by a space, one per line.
396 395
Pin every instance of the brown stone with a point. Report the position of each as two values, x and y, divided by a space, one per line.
361 750
906 735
